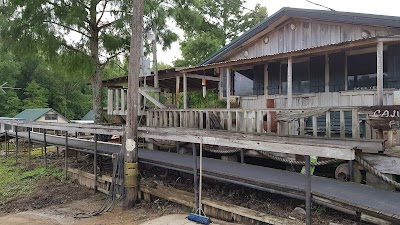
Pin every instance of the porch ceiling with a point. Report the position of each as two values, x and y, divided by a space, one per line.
298 53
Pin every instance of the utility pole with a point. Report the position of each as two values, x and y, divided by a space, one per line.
131 147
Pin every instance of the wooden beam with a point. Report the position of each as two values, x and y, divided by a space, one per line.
289 82
326 72
185 91
240 140
228 88
202 77
178 79
265 81
153 100
379 72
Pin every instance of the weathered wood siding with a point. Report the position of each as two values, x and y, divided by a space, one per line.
307 34
322 99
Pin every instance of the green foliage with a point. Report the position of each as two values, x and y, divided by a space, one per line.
16 181
210 24
196 100
35 96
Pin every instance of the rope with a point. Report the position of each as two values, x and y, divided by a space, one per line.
298 163
115 188
371 169
220 149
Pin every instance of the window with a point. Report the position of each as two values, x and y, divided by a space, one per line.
243 82
361 71
50 117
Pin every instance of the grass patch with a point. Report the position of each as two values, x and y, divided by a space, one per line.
15 180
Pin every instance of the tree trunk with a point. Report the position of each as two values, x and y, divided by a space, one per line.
131 146
96 77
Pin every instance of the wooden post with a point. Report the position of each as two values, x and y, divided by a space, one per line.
308 190
131 146
66 155
204 84
185 91
7 144
195 176
228 88
29 147
221 77
326 72
177 88
289 82
379 72
44 148
265 80
16 145
95 163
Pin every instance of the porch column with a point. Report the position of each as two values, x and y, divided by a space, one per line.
221 78
177 91
289 82
327 72
379 72
266 79
228 88
184 91
204 84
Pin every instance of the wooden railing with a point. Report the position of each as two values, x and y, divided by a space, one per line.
116 101
333 122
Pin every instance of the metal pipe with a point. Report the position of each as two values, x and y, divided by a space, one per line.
195 177
66 155
44 148
308 190
95 163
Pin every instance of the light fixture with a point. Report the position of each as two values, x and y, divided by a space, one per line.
150 35
292 26
266 40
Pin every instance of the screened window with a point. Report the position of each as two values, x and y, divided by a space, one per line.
361 71
50 117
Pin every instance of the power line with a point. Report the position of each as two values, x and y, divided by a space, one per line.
320 5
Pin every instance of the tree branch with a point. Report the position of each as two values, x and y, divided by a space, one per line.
111 23
112 57
72 48
102 12
66 27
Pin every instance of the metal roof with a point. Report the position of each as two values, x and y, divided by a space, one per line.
332 16
34 114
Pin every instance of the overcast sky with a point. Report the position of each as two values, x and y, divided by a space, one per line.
381 7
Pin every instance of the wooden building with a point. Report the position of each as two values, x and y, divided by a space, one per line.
324 64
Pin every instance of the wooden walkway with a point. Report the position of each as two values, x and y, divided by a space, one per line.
375 202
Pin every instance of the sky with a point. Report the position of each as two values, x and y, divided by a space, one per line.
380 7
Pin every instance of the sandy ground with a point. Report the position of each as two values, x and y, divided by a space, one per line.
64 214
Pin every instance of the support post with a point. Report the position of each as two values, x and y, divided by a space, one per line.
185 91
66 155
379 72
204 84
228 88
289 82
95 163
327 72
16 145
7 144
177 90
195 176
266 79
131 146
29 147
44 148
242 156
308 190
351 173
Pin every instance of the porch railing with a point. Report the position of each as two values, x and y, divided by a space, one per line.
336 122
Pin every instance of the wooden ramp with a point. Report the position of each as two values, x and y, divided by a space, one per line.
332 193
